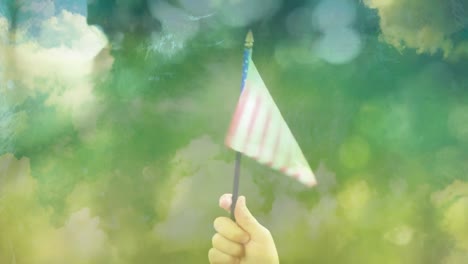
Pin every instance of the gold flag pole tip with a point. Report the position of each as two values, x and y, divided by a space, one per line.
249 39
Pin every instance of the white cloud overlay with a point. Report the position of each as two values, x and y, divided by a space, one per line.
83 236
425 25
65 47
452 202
78 240
59 60
4 24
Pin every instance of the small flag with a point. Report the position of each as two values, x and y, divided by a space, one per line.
259 131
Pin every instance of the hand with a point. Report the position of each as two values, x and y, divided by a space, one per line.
243 242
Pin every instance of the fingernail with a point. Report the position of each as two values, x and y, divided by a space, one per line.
224 200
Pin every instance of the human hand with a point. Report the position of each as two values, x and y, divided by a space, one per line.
243 242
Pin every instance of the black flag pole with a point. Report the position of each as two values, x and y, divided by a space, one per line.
235 189
249 40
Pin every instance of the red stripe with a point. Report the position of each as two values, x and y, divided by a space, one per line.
297 175
253 120
261 148
237 116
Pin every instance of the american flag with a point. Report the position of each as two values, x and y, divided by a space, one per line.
259 131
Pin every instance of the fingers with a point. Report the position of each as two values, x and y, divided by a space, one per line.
244 217
227 246
230 230
218 257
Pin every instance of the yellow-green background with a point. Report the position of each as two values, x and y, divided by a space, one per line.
120 159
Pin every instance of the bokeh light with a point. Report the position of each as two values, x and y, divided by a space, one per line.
338 46
298 22
334 14
289 53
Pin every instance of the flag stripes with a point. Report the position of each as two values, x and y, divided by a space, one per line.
253 135
259 131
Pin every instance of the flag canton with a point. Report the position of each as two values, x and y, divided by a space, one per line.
245 67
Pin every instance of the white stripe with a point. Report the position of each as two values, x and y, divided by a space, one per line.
297 158
285 142
257 131
306 176
269 145
290 147
269 104
291 171
277 158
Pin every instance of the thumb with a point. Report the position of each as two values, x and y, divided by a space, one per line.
244 217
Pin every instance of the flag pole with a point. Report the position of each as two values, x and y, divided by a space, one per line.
249 40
